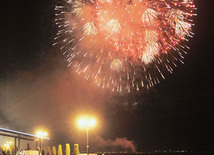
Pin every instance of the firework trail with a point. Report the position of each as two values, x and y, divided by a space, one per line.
124 44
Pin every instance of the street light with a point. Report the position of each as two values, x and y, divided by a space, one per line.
8 146
86 122
36 142
41 135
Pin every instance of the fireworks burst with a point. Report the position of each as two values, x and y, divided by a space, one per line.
124 44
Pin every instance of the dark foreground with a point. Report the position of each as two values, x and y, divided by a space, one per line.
161 153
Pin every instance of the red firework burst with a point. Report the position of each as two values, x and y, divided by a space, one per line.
124 44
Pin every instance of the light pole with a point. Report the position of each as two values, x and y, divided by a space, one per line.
36 142
86 122
87 142
41 135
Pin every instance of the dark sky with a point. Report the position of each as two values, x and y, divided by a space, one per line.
38 90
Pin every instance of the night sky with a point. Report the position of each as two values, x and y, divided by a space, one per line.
38 90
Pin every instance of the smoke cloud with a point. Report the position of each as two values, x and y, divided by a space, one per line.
119 144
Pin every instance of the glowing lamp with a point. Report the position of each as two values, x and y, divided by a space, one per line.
86 122
41 134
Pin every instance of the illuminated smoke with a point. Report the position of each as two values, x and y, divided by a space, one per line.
119 144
